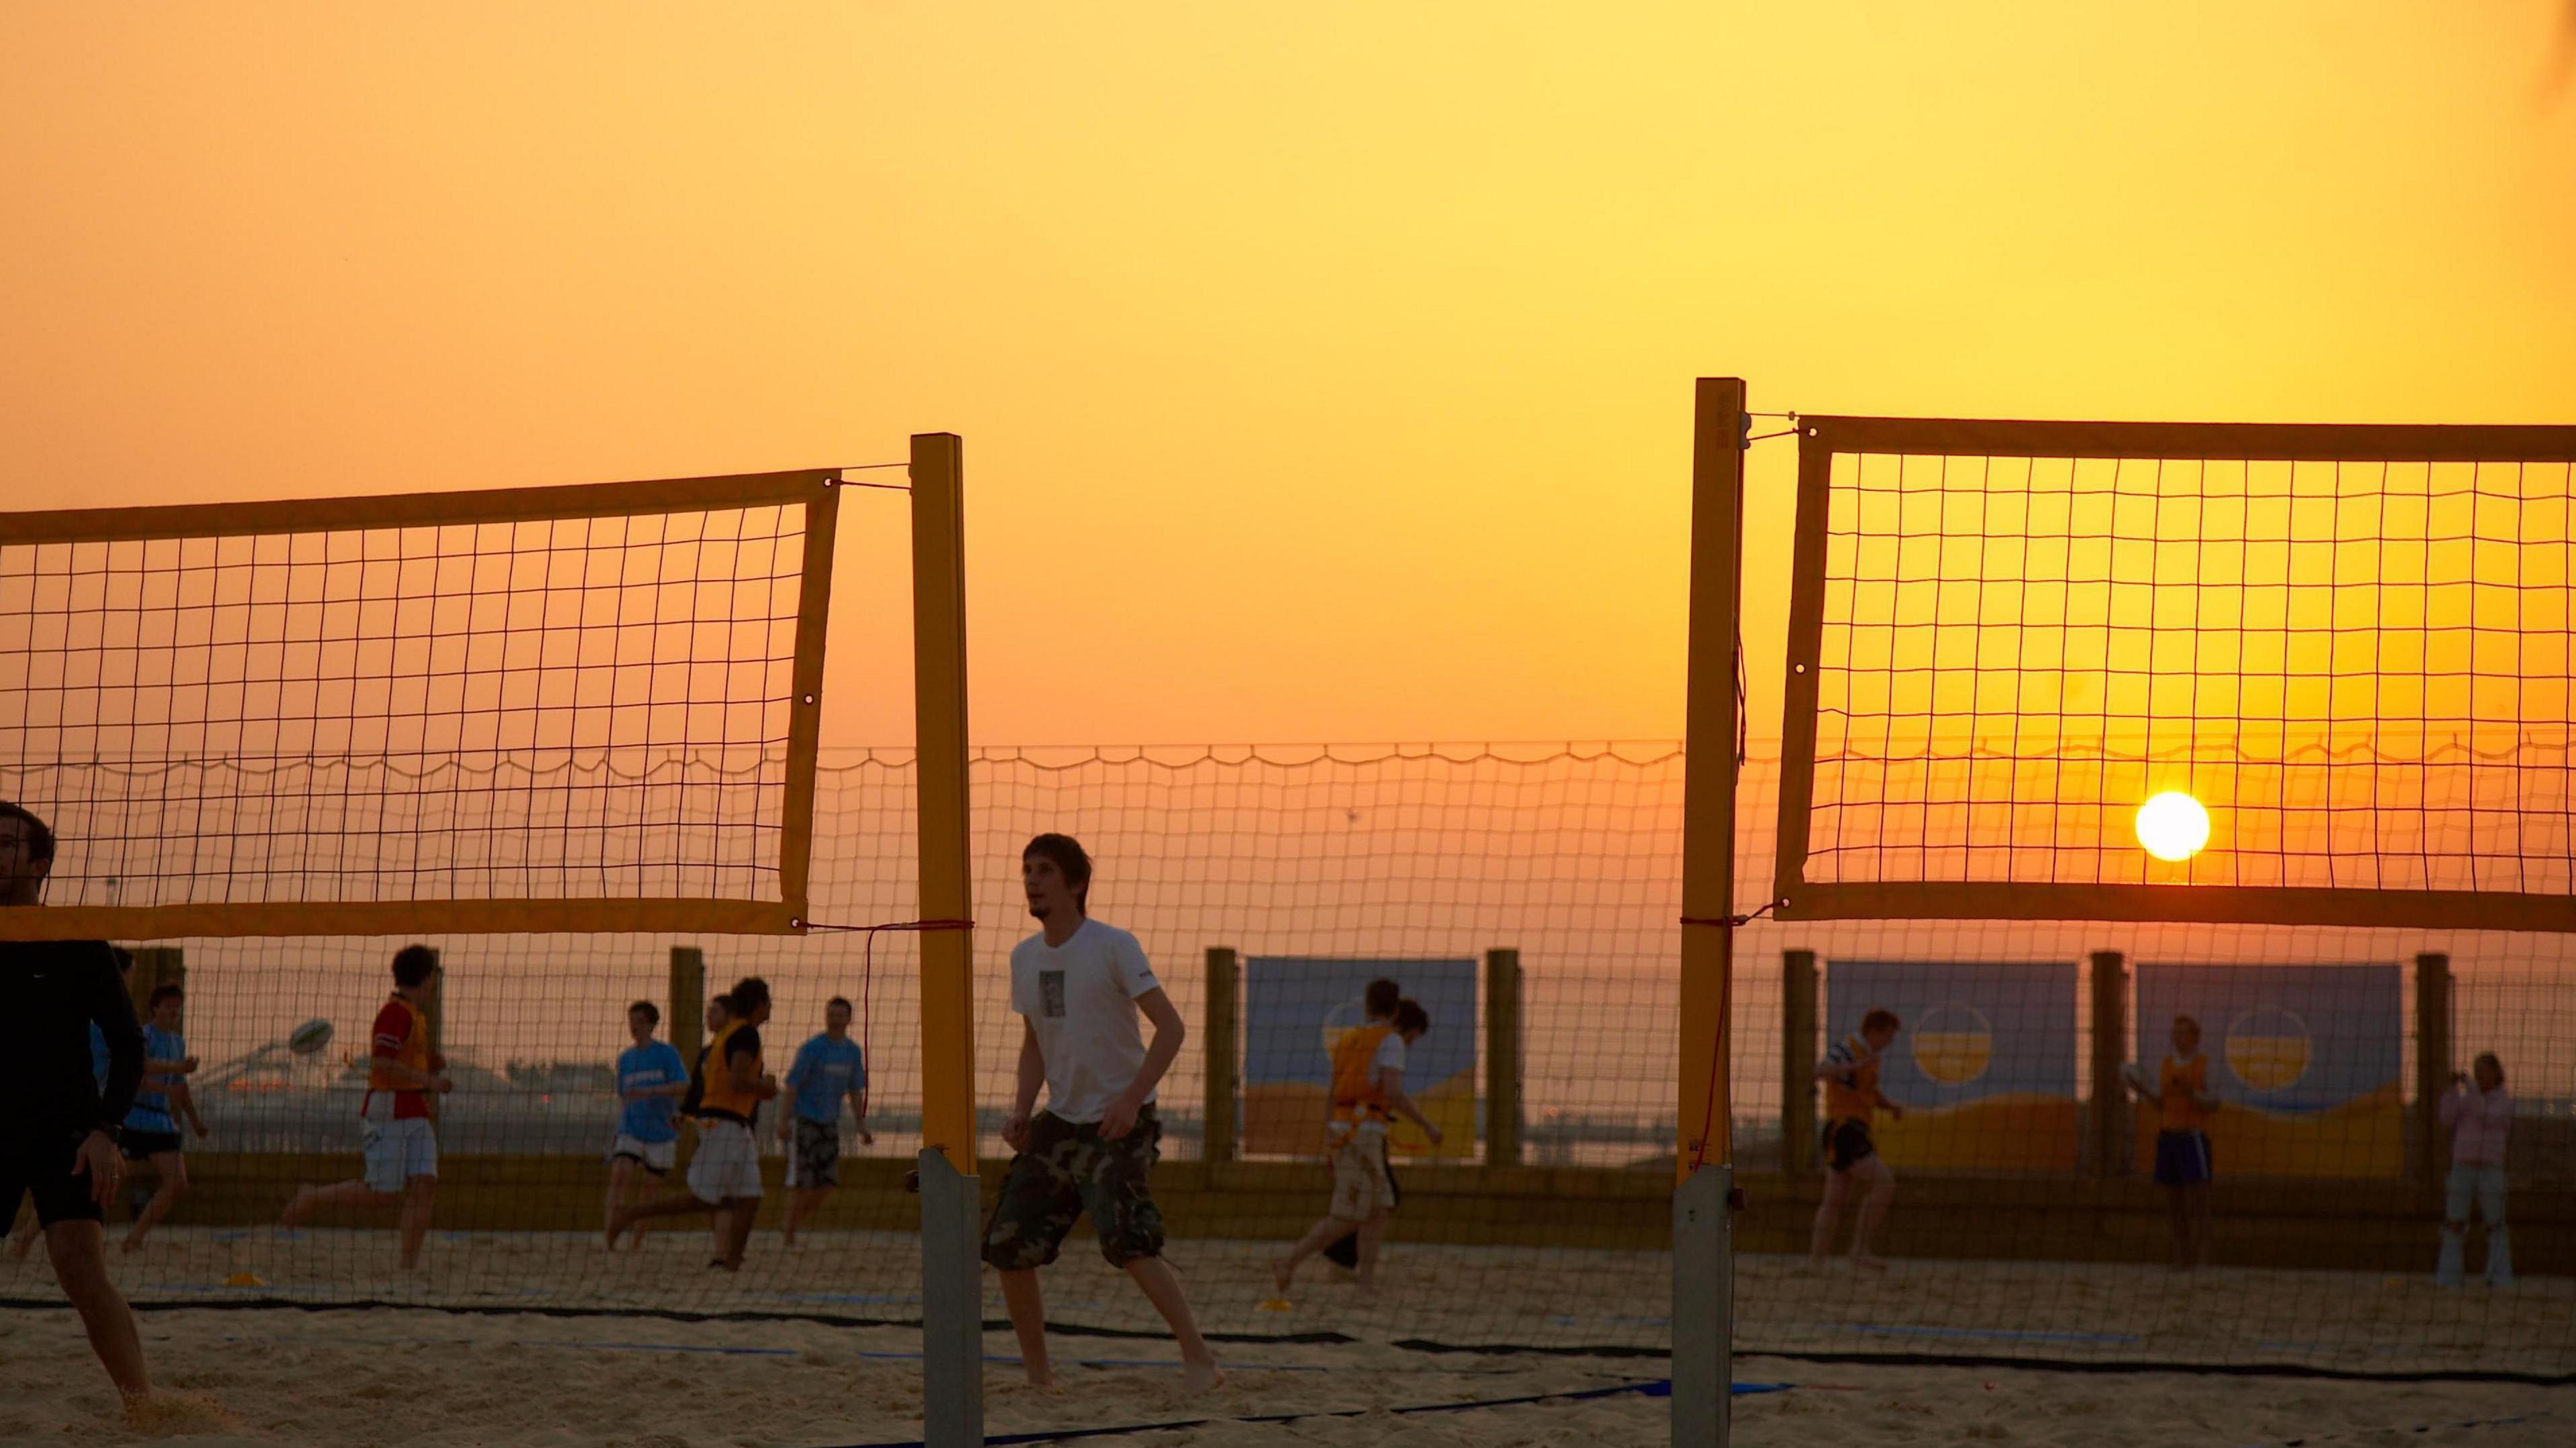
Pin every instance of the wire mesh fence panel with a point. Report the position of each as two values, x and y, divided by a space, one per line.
1525 901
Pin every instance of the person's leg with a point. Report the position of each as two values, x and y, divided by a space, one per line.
2457 1191
419 1197
1027 1306
1829 1215
1879 1194
1372 1236
1318 1237
1162 1287
79 1252
621 1185
310 1199
737 1218
173 1167
2490 1187
677 1202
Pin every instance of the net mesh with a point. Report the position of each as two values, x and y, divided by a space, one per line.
303 706
2358 660
2016 1233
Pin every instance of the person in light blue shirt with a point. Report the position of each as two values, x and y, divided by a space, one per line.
828 1068
651 1079
151 1131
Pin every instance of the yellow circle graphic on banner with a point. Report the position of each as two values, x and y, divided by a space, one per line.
1953 1044
2268 1048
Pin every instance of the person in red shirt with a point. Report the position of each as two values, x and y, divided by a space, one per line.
401 1144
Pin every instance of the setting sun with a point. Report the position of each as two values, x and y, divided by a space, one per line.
2172 826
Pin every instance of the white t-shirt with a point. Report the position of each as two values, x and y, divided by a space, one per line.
1080 999
1389 1057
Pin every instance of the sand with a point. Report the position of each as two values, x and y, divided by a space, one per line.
564 1344
402 1376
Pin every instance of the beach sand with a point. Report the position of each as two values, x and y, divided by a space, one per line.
405 1376
561 1343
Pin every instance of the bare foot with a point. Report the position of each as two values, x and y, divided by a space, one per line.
1281 1274
1041 1377
130 1244
1868 1263
299 1208
617 1222
1201 1376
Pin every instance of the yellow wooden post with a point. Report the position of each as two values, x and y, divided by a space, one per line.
685 1017
939 715
1502 1058
2110 1105
1224 1054
1703 1253
1708 787
952 1301
1797 1062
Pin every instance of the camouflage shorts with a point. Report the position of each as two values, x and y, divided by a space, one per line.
1067 1171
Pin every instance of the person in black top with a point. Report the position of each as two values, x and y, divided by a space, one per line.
58 1127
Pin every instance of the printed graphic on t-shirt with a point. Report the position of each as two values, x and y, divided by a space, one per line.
1051 993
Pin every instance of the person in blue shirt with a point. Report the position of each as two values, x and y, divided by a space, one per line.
152 1127
651 1079
828 1067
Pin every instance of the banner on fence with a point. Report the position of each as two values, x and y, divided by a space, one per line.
1985 1064
1295 1009
2307 1061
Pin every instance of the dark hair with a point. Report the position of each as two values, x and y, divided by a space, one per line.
2488 1058
842 1001
2191 1021
1880 1019
1410 1016
652 1012
721 998
165 991
1069 858
749 994
1382 996
39 833
413 965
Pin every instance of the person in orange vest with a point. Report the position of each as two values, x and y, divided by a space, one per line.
2184 1166
724 1175
1368 1091
1852 1097
401 1144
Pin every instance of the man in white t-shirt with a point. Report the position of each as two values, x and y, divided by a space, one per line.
1079 987
1367 1092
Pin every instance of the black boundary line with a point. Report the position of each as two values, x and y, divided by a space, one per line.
1054 1435
1410 1344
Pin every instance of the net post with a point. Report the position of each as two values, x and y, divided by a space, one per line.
1703 1287
805 700
154 966
1502 1058
2432 1061
952 1289
688 1001
2110 1051
1224 1056
1797 1062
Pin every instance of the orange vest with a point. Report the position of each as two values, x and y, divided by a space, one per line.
1356 1097
414 1053
722 1098
2176 1081
1857 1098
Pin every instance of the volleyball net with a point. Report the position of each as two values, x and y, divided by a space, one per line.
1527 899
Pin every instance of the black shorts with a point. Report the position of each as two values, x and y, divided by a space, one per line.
41 1166
1847 1143
141 1145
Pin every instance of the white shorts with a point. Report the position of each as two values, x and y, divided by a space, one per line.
656 1156
398 1151
727 1165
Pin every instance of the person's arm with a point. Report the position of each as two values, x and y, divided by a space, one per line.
1888 1104
2452 1101
1390 1084
1024 1090
1837 1070
112 1011
796 1070
186 1101
1169 1033
859 1102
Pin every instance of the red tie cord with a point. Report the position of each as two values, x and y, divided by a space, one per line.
868 957
1717 1063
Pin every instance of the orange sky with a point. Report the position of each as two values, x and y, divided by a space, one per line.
1324 370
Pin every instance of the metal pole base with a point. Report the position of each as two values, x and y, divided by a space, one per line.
952 1306
1703 1307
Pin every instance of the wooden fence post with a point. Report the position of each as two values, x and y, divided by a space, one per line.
686 1010
1797 1061
1502 1058
2432 1061
1224 1056
2110 1101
